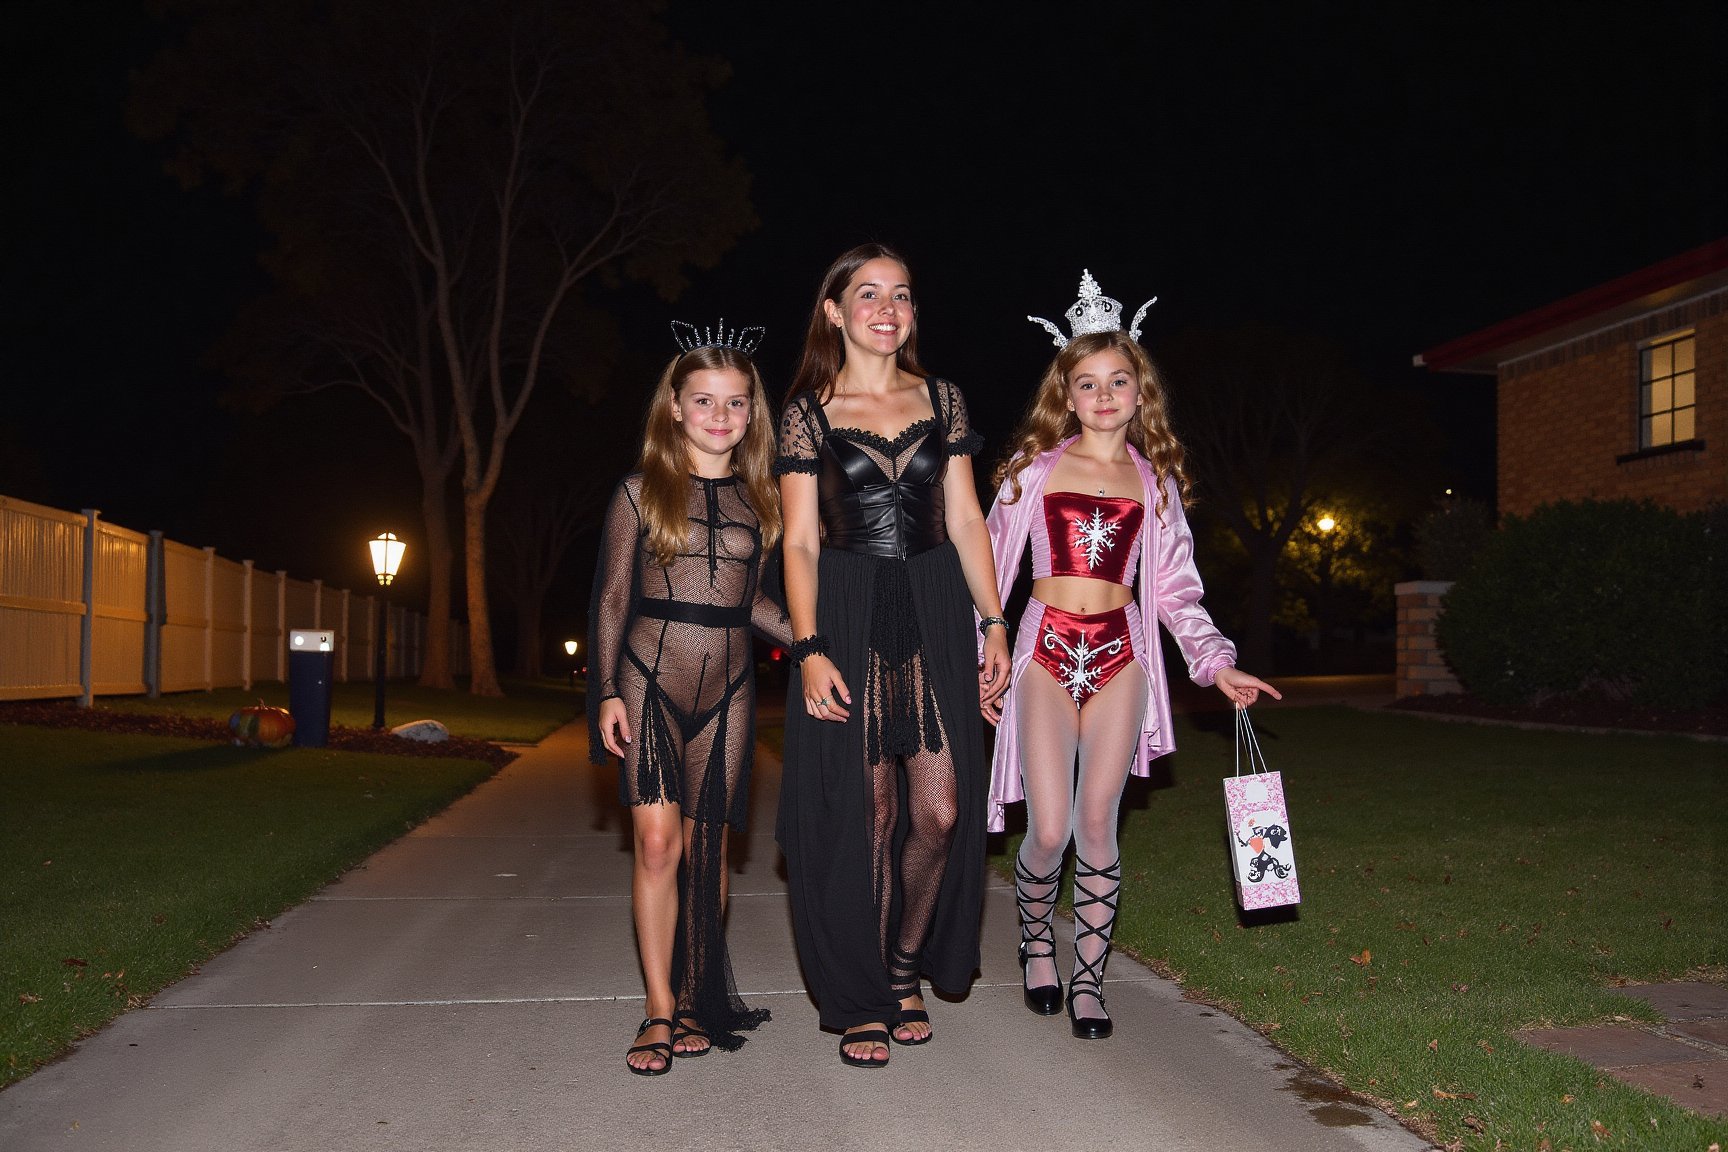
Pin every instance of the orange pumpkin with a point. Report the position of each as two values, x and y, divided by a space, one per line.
261 725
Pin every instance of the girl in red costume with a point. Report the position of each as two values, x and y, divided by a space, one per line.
1095 488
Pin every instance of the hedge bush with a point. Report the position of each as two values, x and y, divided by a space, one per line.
1625 599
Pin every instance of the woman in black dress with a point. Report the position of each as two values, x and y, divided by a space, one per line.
887 558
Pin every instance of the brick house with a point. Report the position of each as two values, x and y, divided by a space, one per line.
1617 392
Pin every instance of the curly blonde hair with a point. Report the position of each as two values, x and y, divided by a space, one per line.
665 462
1048 420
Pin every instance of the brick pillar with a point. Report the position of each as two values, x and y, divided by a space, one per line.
1422 670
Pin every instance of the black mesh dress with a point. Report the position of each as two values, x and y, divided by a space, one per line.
674 644
882 816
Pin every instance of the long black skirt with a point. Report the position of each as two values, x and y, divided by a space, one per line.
826 818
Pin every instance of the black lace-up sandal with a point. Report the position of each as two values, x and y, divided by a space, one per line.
687 1025
903 982
661 1048
1088 979
1037 936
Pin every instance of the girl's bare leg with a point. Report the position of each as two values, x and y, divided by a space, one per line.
660 839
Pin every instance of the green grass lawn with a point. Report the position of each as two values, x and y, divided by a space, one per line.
1459 883
531 710
127 860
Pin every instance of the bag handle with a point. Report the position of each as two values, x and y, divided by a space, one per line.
1245 737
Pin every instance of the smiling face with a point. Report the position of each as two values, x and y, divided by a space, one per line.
1103 391
712 410
874 312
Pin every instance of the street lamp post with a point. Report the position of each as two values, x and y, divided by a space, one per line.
570 647
387 551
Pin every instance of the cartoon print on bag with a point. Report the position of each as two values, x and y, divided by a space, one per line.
1260 835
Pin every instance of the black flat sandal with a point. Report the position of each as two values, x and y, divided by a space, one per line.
913 1016
687 1025
661 1048
867 1036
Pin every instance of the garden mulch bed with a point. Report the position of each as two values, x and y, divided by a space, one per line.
66 714
1579 712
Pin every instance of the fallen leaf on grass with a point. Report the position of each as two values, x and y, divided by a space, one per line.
1568 1098
1433 1045
74 962
1460 988
1485 1046
29 998
1600 1130
1363 958
1474 1124
1440 1094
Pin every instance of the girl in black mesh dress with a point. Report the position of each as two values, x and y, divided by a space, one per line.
671 679
882 795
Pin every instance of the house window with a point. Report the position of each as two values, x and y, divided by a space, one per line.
1666 412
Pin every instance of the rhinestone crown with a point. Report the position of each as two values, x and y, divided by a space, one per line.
689 337
1094 312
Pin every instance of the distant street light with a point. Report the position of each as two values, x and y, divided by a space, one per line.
387 551
1326 524
570 647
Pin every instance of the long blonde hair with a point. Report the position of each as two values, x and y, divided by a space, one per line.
1048 420
665 459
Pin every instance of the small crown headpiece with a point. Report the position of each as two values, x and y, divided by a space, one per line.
689 337
1094 312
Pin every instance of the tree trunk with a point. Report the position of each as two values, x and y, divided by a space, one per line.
530 644
1255 653
440 558
481 658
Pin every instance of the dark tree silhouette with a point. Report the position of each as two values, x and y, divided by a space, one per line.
443 179
1275 423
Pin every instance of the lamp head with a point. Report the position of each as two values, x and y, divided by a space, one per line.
569 647
387 549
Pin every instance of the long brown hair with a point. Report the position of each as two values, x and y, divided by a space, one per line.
824 347
665 459
1048 420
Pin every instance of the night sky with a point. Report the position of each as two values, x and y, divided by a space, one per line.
1389 176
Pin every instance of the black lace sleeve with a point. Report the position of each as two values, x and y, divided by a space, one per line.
960 439
800 437
613 601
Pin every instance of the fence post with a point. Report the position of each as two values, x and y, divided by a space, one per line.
246 626
342 631
209 617
155 613
87 627
282 625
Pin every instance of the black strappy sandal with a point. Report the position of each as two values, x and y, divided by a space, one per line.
682 1029
1039 932
662 1048
1088 977
902 967
867 1036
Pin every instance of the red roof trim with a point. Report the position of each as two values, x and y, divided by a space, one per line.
1460 353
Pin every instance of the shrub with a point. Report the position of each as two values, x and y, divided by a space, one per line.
1616 597
1449 538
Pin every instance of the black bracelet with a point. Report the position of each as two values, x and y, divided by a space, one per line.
812 645
984 624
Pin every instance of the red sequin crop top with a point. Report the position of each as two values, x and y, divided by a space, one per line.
1093 536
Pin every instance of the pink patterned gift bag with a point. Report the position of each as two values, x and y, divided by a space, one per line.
1261 849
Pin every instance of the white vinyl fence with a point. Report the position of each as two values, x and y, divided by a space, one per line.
88 609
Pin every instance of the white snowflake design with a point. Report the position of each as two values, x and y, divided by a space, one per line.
1095 536
1080 677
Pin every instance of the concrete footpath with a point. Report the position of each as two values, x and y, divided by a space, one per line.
474 986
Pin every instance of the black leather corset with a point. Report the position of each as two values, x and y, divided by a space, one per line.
864 510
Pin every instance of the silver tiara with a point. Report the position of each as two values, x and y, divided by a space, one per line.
1094 312
689 337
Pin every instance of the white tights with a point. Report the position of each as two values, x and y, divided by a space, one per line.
1074 763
